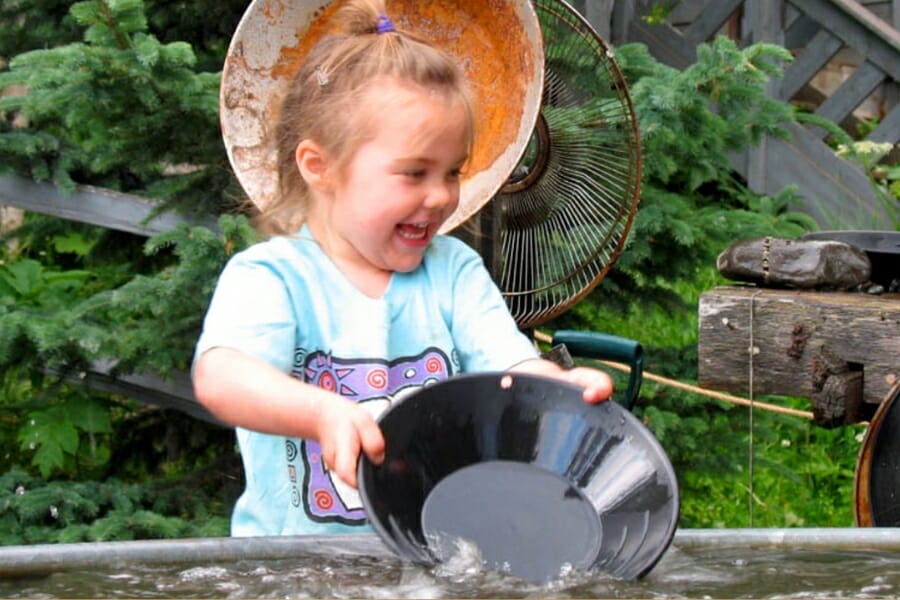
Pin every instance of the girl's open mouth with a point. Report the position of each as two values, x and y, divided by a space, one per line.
412 232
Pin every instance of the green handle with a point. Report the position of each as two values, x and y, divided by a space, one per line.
604 346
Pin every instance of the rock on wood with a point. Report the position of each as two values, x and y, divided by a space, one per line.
840 349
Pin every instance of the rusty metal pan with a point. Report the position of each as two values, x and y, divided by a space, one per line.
498 44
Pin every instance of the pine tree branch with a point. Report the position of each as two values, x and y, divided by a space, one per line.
121 38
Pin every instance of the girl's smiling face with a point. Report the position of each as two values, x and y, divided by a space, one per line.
381 209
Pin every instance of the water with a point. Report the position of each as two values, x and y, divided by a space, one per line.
688 572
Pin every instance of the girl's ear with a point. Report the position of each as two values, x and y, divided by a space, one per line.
312 162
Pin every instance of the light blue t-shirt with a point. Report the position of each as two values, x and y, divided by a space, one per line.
284 301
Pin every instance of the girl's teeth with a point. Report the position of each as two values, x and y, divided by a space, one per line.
413 232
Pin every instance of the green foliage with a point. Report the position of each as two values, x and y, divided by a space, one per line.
54 433
157 318
123 110
802 474
125 97
53 323
208 25
33 511
28 24
65 327
691 203
119 109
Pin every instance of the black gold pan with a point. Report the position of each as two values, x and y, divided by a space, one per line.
520 466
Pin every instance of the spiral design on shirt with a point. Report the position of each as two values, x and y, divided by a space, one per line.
377 379
324 500
434 365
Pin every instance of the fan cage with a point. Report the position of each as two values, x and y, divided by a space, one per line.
563 224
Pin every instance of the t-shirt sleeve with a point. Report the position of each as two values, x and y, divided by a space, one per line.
484 332
250 311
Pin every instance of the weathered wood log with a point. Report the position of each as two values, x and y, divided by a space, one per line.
839 400
840 349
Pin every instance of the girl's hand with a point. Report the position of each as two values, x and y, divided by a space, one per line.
598 385
344 430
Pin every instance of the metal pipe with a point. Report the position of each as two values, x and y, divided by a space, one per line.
49 558
825 538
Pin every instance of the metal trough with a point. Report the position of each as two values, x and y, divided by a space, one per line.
17 561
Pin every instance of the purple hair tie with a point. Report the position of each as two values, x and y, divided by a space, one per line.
384 25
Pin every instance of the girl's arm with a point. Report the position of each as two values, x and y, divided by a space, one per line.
247 392
598 386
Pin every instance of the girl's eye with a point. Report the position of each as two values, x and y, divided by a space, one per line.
414 174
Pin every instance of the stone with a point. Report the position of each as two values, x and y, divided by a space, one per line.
803 264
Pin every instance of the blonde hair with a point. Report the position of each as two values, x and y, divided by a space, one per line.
325 99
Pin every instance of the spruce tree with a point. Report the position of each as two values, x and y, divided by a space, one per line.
120 110
108 98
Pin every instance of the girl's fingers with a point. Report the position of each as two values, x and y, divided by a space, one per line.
597 385
358 433
345 463
372 441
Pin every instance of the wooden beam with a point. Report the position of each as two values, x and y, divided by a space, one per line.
96 206
598 14
664 42
834 190
800 339
821 49
711 20
799 32
851 93
870 21
859 29
889 128
175 392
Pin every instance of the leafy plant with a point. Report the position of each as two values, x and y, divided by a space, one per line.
56 324
28 24
54 433
692 207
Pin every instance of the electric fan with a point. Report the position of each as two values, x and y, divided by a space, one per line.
563 216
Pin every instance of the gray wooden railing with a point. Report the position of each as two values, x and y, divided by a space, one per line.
95 206
837 191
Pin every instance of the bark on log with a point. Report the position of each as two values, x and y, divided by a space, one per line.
817 345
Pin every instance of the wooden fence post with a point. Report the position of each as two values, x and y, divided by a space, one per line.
599 14
766 24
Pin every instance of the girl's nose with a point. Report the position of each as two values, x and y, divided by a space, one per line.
442 193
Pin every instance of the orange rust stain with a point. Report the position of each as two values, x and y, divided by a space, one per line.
289 58
495 55
491 48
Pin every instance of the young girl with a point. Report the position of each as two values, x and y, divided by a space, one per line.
356 300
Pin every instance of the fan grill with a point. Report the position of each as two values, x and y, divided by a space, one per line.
567 210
